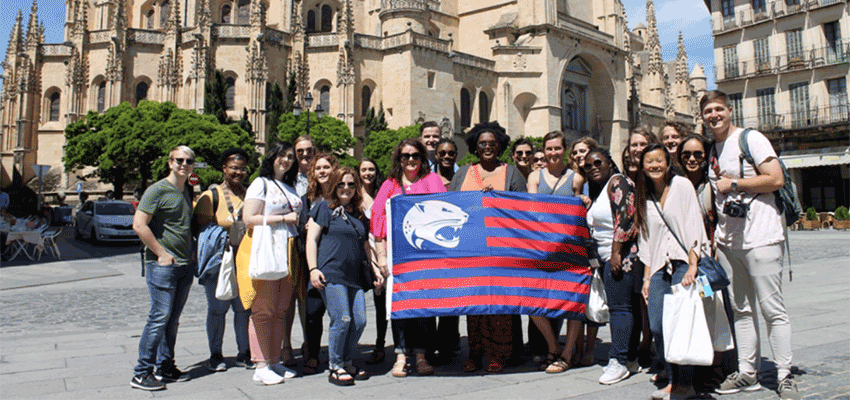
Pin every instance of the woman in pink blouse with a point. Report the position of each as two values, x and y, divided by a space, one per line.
409 175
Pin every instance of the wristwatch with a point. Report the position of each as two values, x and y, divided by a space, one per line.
735 185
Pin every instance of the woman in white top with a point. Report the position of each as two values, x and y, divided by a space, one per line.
660 190
272 195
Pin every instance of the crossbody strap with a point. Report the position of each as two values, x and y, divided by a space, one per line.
668 225
289 203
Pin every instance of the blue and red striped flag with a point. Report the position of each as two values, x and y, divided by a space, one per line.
462 253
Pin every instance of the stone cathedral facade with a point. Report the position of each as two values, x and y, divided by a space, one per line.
533 65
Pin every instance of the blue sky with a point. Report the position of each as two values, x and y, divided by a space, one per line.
689 16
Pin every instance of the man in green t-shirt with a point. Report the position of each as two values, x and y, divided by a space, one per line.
163 223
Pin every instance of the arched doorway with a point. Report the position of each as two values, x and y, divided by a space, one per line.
574 98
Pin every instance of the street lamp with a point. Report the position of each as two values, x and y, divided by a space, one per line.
308 101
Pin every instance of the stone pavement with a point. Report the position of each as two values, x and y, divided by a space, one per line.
70 330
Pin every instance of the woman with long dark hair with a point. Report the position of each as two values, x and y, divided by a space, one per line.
272 198
409 175
371 179
667 206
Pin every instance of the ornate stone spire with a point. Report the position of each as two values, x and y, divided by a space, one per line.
33 36
172 26
258 14
80 17
682 61
653 43
119 17
16 38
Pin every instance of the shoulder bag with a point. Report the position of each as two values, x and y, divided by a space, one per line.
264 265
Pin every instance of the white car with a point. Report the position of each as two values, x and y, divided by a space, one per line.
105 220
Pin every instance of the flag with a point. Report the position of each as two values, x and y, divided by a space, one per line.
474 253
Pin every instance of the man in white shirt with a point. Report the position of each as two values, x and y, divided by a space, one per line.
304 150
749 236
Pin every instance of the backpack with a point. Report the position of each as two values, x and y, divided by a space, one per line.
786 196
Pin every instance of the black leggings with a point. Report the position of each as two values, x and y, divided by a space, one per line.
380 318
315 313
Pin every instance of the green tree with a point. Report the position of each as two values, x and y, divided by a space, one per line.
375 123
127 144
245 123
330 134
273 112
215 98
291 94
380 145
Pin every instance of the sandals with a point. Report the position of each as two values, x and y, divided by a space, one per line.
470 366
287 358
660 377
495 366
423 368
337 377
357 373
376 357
400 369
557 366
311 366
546 362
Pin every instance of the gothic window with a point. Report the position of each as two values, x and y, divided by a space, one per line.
229 93
574 92
54 106
325 99
465 114
799 95
766 108
141 92
225 14
311 21
164 11
365 99
483 107
101 96
243 12
149 22
327 18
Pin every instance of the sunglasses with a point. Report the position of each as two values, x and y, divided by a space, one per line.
187 161
697 154
538 159
443 153
238 169
596 163
488 143
308 150
523 153
343 185
409 156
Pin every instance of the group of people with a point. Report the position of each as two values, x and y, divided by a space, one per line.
330 227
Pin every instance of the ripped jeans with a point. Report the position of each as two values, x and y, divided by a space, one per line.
347 308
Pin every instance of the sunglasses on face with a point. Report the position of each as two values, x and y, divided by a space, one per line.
538 159
343 185
488 143
443 153
596 163
308 150
187 161
697 154
238 169
522 153
410 156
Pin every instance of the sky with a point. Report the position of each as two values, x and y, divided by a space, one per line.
689 16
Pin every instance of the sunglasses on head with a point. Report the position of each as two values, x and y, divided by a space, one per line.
523 153
343 185
409 156
697 154
443 153
596 163
187 161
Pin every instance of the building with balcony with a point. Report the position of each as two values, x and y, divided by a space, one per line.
785 65
533 65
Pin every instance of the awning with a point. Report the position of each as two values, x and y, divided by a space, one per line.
816 157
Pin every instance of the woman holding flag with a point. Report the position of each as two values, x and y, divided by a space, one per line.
409 175
488 334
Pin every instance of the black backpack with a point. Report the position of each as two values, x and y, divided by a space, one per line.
786 196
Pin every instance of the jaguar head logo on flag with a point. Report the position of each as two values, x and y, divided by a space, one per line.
434 221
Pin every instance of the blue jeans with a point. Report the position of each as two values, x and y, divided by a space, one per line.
169 288
347 309
659 285
623 304
216 313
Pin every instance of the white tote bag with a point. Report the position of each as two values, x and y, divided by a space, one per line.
226 289
718 324
597 303
264 266
686 337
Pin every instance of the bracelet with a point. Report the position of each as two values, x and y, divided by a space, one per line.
314 269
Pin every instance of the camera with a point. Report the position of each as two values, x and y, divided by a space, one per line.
736 208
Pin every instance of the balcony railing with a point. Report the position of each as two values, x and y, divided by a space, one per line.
798 119
837 53
750 16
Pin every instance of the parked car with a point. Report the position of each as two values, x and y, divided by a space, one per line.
105 220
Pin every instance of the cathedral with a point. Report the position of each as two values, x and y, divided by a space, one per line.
533 65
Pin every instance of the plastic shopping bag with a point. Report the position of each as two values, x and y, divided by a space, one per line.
263 265
687 340
226 289
597 303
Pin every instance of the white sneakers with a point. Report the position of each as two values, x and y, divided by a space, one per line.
614 372
266 376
